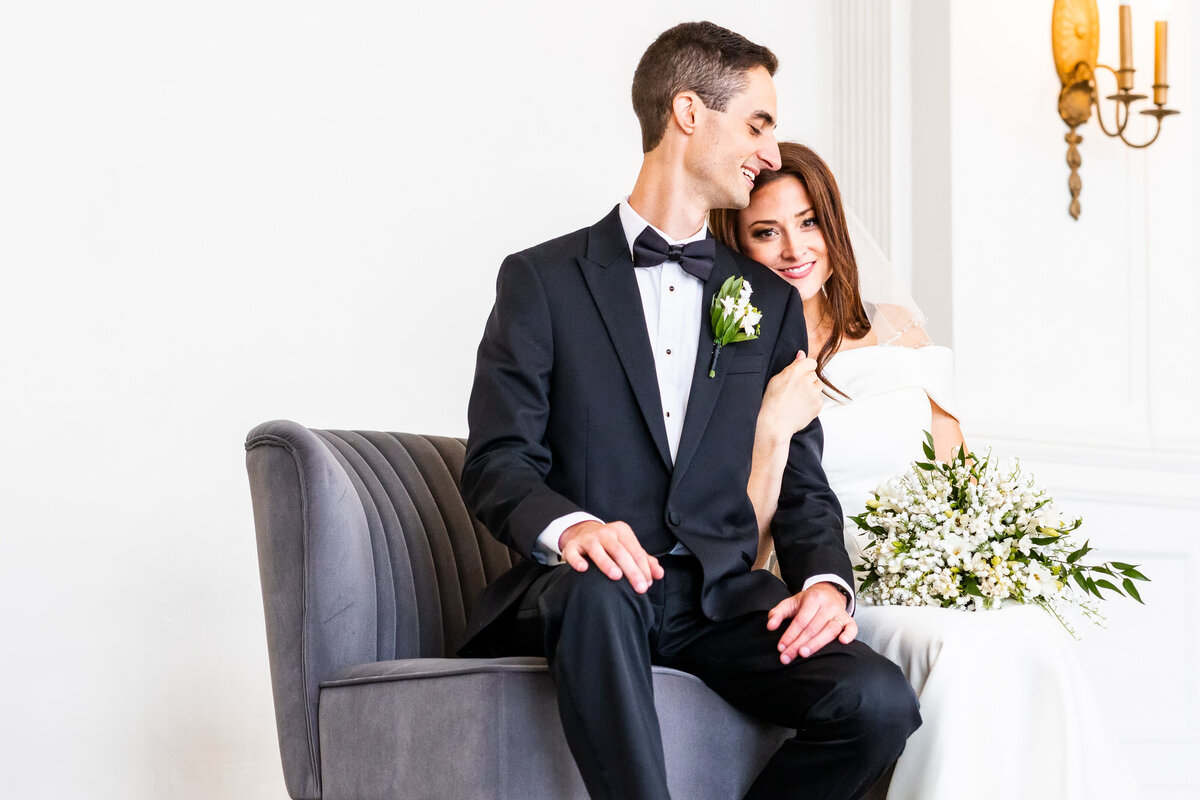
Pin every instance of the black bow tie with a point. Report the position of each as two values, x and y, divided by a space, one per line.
696 258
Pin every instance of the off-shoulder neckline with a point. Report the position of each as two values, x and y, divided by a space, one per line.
938 347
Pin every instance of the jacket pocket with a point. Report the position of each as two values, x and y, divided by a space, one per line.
751 362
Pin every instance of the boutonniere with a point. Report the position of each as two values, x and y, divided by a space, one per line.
733 318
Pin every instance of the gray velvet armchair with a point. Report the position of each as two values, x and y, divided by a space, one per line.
370 563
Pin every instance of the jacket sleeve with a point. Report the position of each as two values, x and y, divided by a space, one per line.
507 460
807 526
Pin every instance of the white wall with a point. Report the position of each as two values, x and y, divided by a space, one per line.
214 214
1075 340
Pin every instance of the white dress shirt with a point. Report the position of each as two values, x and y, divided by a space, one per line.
673 304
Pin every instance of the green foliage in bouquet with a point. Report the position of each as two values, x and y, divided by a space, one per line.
969 534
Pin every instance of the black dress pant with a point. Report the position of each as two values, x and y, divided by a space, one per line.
852 708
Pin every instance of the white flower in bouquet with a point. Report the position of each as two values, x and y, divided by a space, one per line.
970 534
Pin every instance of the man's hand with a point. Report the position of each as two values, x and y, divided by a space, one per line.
818 615
613 548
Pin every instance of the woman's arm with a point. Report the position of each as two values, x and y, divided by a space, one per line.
766 476
947 435
792 401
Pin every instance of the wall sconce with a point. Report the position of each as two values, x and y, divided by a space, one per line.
1075 30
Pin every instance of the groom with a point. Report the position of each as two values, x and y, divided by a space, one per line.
602 450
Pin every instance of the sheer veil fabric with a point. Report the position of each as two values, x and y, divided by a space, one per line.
894 315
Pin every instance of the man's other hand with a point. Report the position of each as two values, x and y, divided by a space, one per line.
818 616
613 548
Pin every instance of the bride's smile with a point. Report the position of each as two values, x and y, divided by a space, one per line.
798 271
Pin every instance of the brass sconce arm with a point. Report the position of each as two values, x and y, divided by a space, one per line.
1075 32
1121 101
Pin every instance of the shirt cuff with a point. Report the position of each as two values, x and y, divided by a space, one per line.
545 549
839 583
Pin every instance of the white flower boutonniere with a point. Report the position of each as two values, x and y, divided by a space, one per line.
733 318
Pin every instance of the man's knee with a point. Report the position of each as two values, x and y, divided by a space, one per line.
884 704
591 596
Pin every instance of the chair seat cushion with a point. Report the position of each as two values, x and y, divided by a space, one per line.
489 728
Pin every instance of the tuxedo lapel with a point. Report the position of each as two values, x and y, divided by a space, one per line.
608 270
705 390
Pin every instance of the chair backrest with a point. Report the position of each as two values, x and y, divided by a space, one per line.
366 553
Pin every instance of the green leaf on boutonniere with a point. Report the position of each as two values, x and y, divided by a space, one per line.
733 318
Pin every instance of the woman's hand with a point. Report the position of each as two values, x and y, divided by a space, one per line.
792 400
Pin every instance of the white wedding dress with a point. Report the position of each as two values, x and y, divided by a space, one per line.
1008 710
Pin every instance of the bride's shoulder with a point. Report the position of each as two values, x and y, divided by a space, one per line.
899 326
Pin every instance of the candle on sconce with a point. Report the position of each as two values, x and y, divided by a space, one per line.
1126 38
1125 73
1160 62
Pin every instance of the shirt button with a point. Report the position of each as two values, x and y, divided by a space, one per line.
668 351
668 413
670 288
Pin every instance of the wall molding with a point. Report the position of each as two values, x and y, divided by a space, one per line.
1111 473
861 156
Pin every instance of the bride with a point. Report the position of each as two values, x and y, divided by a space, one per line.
1008 710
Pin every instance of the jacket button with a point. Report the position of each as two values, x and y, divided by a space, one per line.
674 517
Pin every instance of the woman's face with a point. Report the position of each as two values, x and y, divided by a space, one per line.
779 228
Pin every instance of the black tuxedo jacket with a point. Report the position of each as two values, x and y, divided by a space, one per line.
565 416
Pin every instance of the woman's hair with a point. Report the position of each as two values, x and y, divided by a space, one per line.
847 317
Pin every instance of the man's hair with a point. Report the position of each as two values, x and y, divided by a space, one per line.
695 57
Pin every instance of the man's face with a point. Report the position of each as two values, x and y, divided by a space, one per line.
732 146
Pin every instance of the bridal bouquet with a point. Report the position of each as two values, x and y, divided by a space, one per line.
970 534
